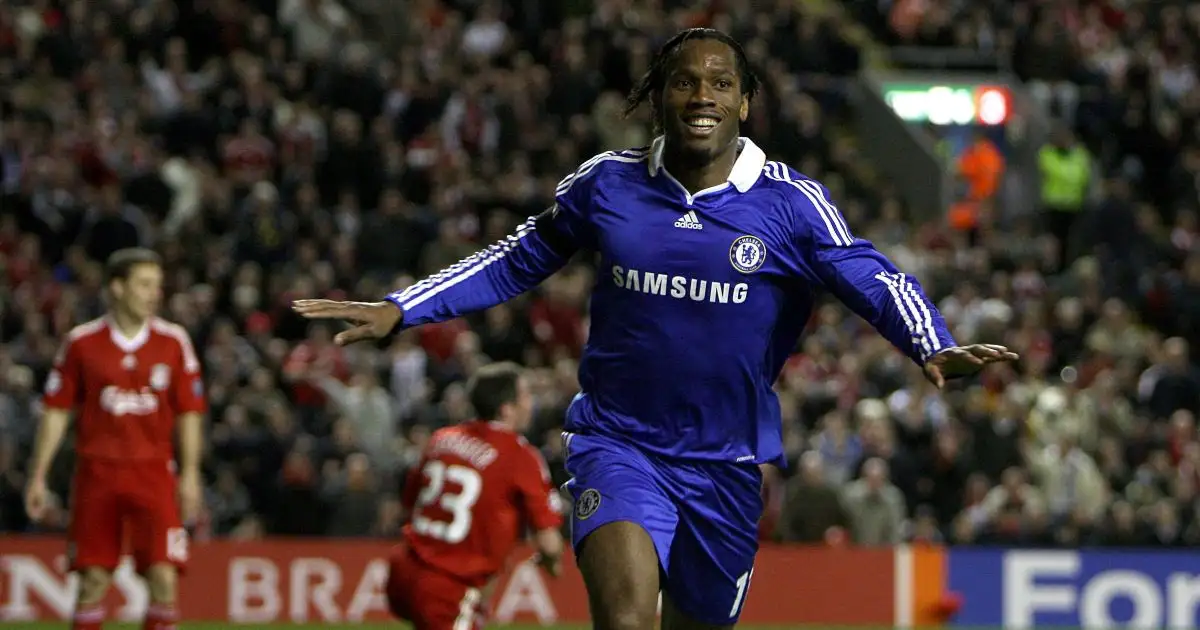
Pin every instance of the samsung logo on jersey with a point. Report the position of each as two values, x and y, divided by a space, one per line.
679 287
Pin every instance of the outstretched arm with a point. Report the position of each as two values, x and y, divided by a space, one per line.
860 276
870 285
896 305
891 301
540 246
538 249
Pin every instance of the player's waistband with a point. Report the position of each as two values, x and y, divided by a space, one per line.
586 419
662 455
410 552
125 462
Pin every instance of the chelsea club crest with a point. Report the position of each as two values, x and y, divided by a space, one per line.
587 504
747 253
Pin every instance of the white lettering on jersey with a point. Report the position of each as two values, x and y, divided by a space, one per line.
120 402
479 453
679 287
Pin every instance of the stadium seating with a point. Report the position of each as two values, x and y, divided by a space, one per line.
275 149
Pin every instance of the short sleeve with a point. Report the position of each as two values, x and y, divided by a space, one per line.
188 394
65 380
540 503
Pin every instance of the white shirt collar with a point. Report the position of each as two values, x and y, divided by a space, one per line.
746 170
128 344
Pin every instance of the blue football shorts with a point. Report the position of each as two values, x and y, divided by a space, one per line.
702 516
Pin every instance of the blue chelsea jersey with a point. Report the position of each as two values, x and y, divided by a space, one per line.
700 298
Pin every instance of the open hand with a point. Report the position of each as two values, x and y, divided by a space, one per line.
965 361
373 320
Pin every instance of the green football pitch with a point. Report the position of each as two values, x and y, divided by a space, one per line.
45 625
328 626
212 625
217 625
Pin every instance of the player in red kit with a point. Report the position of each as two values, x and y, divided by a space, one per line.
133 379
478 488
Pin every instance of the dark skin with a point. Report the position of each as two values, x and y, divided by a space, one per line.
619 562
620 569
704 82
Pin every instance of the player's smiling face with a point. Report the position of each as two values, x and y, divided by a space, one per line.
702 102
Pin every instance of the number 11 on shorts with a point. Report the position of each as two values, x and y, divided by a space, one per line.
743 585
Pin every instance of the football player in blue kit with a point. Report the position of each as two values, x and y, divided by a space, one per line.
711 258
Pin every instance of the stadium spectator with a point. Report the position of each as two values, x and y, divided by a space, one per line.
876 507
267 151
1066 174
813 507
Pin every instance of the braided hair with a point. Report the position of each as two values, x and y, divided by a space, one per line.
652 83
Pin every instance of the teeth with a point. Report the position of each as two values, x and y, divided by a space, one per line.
703 122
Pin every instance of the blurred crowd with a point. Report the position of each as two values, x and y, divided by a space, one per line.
270 152
1092 440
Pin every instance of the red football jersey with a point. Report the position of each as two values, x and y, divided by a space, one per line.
477 490
127 391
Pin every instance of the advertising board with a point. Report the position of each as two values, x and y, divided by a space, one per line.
343 581
1074 588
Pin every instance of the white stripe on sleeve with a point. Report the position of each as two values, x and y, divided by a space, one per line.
462 270
921 332
839 223
926 317
778 172
633 157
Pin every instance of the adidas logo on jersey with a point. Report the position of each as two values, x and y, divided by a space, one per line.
689 221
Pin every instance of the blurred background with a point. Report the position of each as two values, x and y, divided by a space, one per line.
1035 163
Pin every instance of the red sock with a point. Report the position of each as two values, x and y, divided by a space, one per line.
88 618
160 617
